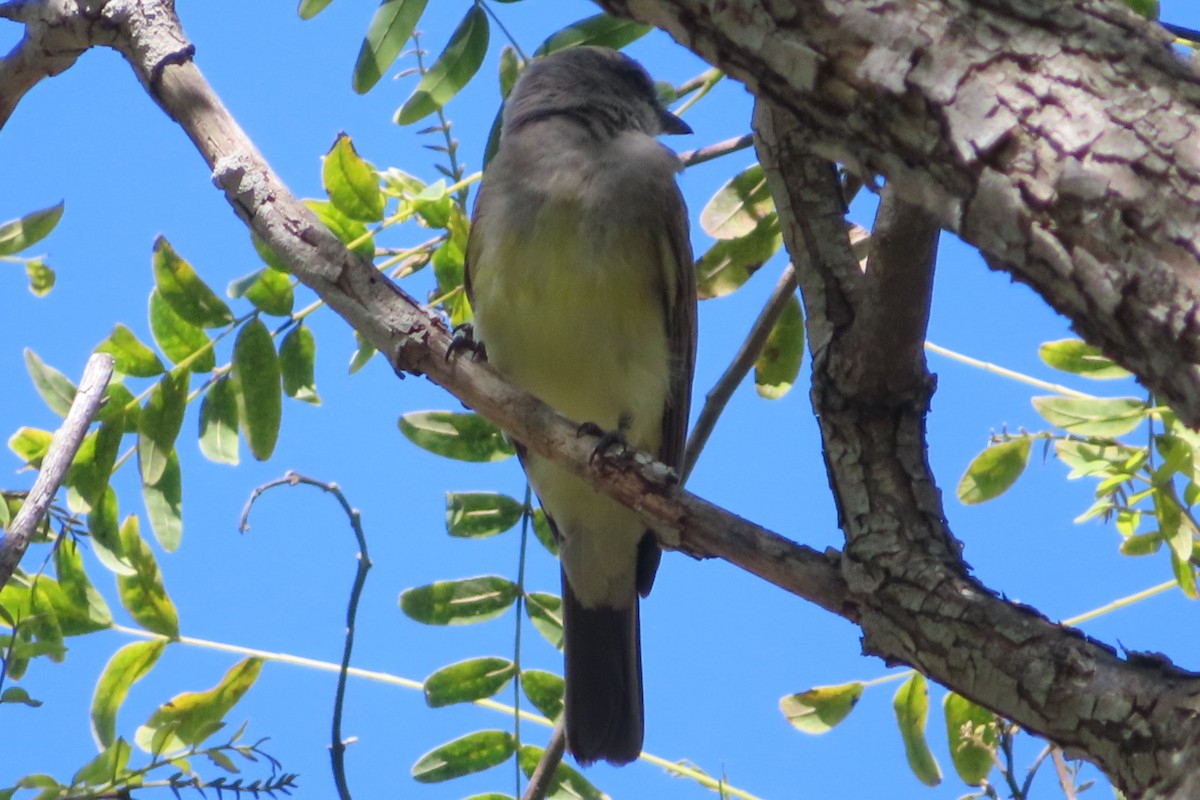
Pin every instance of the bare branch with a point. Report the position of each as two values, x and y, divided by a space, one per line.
713 151
56 462
539 781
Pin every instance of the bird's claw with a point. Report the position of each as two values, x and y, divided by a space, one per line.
607 442
464 339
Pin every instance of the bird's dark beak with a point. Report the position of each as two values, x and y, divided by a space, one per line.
672 124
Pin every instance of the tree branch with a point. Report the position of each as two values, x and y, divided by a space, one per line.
543 774
1058 137
902 566
63 447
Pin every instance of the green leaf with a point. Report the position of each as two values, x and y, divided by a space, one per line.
41 277
510 70
164 505
130 356
127 666
994 470
120 409
106 534
740 206
362 355
54 387
465 755
545 612
84 609
191 717
219 423
543 532
1086 458
911 705
256 380
1185 576
476 515
297 361
143 593
184 291
159 425
351 183
31 445
464 437
1145 8
567 783
468 681
459 602
93 463
545 690
268 256
601 29
819 709
268 289
1106 417
971 731
457 64
179 339
729 263
1141 544
778 364
350 232
310 8
1079 358
26 231
110 765
18 696
387 35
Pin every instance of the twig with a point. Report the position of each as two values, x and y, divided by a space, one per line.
539 781
691 158
338 744
1064 775
718 397
63 448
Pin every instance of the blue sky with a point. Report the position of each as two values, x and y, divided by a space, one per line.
720 647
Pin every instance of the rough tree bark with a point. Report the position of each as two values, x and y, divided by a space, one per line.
1055 135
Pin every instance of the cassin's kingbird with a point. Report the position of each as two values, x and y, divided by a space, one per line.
579 270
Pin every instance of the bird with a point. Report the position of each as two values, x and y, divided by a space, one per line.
580 275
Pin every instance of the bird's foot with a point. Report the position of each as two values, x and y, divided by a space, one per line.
608 443
464 339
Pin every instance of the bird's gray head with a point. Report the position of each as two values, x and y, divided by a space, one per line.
603 90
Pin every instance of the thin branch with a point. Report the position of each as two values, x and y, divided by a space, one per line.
338 744
543 775
63 447
691 158
718 397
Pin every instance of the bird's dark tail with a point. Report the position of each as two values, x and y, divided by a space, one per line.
604 680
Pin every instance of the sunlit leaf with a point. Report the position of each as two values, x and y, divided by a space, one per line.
476 515
971 731
126 667
84 609
26 231
256 381
41 277
104 526
543 531
192 717
143 593
350 232
510 69
545 612
159 425
297 362
93 463
179 339
1106 417
1146 8
739 206
459 602
819 709
567 783
310 8
130 356
164 505
468 680
55 388
387 35
729 263
1079 358
351 183
464 437
219 422
456 65
465 755
602 30
545 690
994 470
184 291
268 289
30 445
110 765
911 705
778 364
